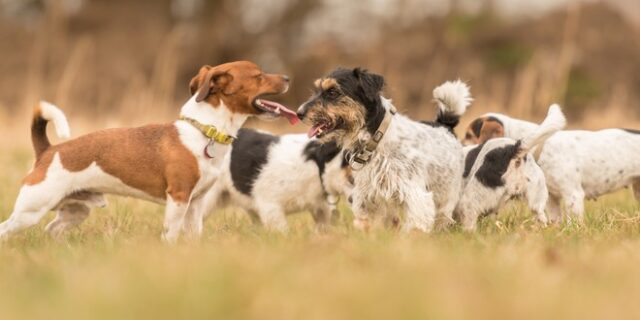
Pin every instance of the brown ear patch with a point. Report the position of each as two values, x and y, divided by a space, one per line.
491 128
328 83
195 82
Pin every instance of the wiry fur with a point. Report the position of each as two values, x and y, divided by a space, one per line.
288 182
504 168
415 169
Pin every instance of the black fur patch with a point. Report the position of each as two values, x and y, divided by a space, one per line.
321 153
436 124
491 118
365 88
476 126
248 155
471 159
632 131
495 164
448 120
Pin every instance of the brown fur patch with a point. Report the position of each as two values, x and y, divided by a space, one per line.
636 189
39 137
150 158
237 84
490 129
328 83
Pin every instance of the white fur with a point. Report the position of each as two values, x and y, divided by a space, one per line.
452 97
287 183
51 113
554 122
581 164
416 169
34 201
526 181
522 178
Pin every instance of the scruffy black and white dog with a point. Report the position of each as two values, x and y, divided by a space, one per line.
503 168
270 176
399 165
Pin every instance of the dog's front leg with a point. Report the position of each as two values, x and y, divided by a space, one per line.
420 211
361 212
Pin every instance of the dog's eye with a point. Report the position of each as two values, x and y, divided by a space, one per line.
518 163
332 93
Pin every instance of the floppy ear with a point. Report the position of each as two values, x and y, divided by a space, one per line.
490 129
208 81
371 83
194 84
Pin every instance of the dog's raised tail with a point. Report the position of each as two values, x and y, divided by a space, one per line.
554 122
453 98
42 114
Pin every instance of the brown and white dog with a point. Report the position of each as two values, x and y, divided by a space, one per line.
174 163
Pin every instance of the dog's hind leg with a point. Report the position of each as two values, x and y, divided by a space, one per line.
68 215
636 189
420 211
73 210
30 207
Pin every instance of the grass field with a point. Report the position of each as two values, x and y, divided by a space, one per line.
114 267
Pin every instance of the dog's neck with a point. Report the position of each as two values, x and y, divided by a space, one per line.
219 116
368 141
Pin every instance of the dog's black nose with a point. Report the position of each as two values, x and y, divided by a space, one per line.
301 114
350 199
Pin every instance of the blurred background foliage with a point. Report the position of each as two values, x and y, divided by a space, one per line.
132 60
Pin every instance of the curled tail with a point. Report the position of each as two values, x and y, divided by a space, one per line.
42 114
452 98
554 122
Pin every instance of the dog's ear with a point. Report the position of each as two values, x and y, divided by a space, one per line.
371 83
490 129
208 81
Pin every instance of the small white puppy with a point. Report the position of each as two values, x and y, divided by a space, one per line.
504 168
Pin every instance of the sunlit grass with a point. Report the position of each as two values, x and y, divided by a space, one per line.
114 267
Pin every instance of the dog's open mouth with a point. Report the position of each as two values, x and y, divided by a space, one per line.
276 109
319 129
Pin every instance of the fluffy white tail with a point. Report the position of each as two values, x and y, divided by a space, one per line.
50 112
554 122
453 98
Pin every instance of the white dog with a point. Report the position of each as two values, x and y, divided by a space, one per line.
576 163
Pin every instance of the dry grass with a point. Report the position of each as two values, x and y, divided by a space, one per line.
114 267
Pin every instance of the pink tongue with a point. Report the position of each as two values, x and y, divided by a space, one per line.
313 131
283 111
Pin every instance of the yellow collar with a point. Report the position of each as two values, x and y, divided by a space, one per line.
210 131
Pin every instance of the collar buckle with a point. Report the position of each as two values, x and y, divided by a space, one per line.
210 131
359 158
